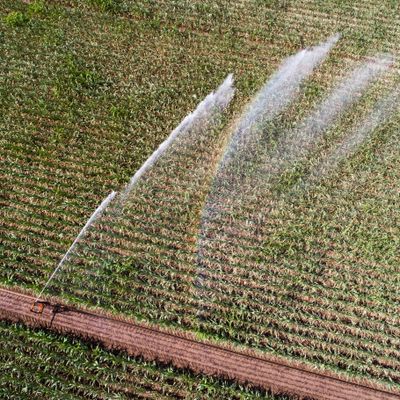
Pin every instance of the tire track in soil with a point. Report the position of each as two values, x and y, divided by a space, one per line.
183 352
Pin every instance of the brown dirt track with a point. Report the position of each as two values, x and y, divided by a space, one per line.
183 352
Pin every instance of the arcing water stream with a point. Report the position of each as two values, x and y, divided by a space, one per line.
97 213
237 163
214 104
350 143
245 162
215 101
245 171
297 143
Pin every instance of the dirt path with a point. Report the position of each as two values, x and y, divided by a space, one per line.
184 352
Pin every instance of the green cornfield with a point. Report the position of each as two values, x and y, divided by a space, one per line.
89 89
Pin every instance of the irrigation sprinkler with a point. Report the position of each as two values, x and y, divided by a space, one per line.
38 306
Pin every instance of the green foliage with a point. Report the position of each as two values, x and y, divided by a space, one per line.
290 178
90 91
79 77
282 5
37 7
16 18
48 366
107 5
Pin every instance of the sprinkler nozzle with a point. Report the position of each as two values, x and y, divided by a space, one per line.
37 307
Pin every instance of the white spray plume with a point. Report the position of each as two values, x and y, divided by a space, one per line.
275 95
301 140
215 100
349 145
272 99
99 210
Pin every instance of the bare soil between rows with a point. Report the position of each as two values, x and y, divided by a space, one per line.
152 344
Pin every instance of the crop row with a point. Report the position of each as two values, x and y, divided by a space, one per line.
362 311
315 277
51 366
236 270
252 249
229 267
199 23
232 265
161 296
157 306
63 171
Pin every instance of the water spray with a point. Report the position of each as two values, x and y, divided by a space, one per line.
349 144
215 101
38 305
218 99
273 98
